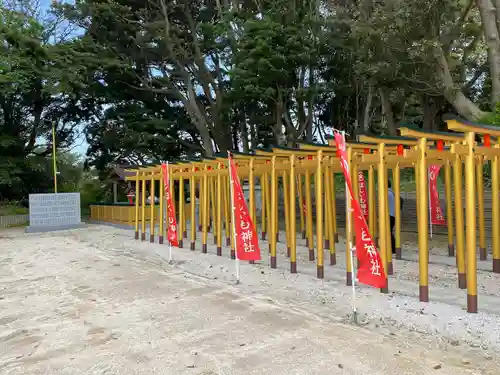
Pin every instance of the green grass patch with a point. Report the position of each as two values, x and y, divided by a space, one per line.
12 208
19 225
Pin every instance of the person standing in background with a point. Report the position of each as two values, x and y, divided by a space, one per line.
392 215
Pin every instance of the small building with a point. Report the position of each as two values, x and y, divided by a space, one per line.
118 176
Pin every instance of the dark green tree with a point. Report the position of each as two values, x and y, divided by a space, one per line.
38 92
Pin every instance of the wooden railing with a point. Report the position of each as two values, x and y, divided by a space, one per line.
13 220
124 213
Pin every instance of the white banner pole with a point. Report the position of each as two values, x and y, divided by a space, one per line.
168 219
350 248
233 224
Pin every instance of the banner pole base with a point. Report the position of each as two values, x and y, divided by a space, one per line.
355 317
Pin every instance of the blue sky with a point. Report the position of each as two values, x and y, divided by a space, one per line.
80 146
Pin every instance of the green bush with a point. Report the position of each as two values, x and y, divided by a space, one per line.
493 118
8 208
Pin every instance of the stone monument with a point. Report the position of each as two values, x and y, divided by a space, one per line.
48 212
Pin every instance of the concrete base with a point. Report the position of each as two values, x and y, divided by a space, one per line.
31 229
311 255
333 259
390 267
348 278
320 272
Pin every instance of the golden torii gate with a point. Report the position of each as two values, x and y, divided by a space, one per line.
210 175
469 150
422 154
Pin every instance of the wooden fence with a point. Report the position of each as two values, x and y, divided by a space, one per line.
13 220
126 214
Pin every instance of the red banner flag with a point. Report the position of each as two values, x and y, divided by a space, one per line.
172 221
247 244
363 195
436 212
370 270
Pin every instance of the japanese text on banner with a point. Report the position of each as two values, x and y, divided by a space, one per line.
370 269
363 195
247 244
172 221
437 217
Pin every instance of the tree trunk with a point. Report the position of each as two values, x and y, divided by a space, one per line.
244 133
497 6
464 106
492 38
321 133
429 112
206 141
290 140
197 117
235 139
253 136
309 133
388 113
278 127
368 109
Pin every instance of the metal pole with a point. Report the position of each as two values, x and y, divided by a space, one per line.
233 224
54 157
449 208
382 199
483 251
274 219
396 177
351 249
423 217
470 234
137 189
495 214
162 207
152 208
459 219
293 235
430 204
319 216
192 207
348 227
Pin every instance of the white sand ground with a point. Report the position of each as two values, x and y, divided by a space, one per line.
94 301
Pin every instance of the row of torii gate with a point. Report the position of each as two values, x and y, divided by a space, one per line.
458 151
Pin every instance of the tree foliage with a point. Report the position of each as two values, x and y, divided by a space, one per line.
166 79
38 93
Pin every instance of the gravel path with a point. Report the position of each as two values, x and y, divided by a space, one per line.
94 301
